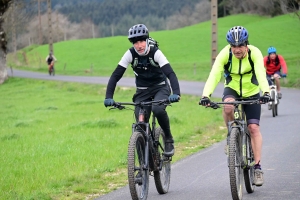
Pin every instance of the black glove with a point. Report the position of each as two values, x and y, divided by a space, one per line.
174 98
265 98
109 102
204 101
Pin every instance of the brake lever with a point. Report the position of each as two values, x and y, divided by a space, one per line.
214 105
112 108
117 106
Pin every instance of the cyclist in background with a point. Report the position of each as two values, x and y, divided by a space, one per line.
273 64
245 75
151 69
50 59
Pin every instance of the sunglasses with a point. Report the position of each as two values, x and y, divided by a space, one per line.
240 45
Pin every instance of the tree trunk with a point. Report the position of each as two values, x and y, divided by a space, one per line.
4 5
3 70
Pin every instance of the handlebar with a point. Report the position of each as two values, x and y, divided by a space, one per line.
122 105
215 105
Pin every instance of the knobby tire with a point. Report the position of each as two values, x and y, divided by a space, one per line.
249 172
235 160
273 103
138 177
161 177
52 71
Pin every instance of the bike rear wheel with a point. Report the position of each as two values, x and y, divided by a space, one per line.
273 103
249 171
235 161
163 174
138 177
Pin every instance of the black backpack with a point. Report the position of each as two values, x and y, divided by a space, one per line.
153 44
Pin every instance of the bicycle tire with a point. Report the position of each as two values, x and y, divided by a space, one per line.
235 168
249 171
138 177
51 71
276 107
273 103
161 176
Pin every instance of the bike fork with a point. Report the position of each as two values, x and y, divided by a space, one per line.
146 164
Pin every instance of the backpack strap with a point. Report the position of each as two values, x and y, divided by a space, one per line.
227 66
153 49
135 57
250 60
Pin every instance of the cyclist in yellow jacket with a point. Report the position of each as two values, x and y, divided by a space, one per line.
245 75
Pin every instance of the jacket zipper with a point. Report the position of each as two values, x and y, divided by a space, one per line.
240 68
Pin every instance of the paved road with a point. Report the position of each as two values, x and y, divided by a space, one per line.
187 87
204 175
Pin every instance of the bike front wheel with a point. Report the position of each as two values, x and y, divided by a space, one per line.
249 170
163 174
51 71
274 106
138 176
235 162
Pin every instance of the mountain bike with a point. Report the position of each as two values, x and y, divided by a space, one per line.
146 153
51 69
273 105
240 154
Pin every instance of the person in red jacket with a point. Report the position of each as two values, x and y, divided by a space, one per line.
273 64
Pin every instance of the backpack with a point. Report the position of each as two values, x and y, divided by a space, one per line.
50 59
153 44
227 66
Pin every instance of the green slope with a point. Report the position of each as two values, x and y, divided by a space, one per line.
188 49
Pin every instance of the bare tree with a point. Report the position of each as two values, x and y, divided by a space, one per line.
189 16
262 7
4 5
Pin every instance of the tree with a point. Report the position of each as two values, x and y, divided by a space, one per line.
4 5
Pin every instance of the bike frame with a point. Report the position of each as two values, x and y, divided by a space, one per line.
240 158
240 123
273 87
149 136
148 133
148 141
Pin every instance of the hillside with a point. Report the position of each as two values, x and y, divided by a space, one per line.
119 13
188 49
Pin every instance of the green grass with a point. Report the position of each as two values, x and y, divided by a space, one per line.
188 49
58 141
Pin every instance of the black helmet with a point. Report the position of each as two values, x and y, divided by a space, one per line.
138 32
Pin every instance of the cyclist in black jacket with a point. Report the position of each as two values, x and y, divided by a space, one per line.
50 59
151 69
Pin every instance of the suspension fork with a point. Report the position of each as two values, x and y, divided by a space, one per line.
244 136
141 123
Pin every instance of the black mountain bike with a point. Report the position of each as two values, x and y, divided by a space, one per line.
146 153
239 150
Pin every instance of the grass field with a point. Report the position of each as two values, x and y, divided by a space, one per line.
58 141
188 49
